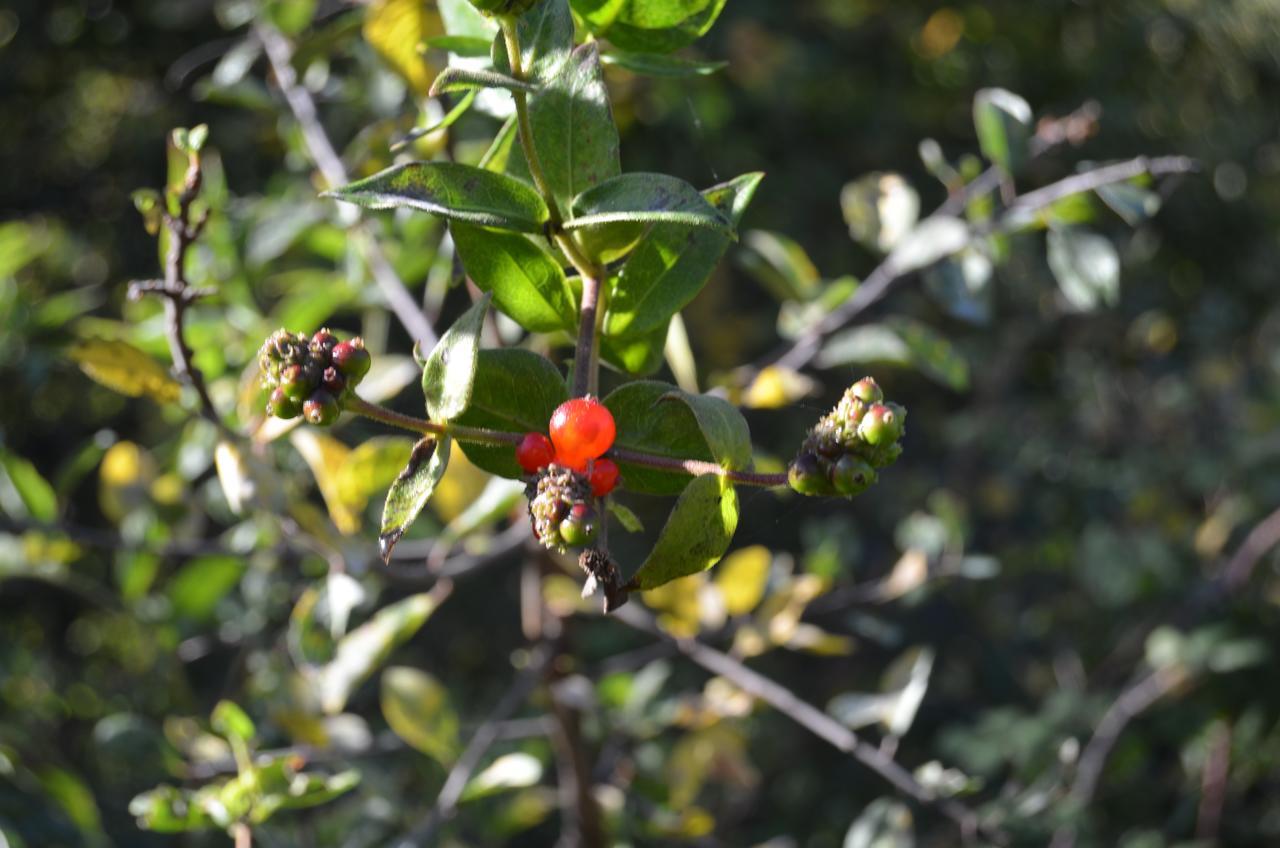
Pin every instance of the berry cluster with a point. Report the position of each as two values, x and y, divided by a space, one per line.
568 472
841 454
311 377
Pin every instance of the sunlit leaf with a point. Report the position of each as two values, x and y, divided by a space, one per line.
1003 121
123 368
880 209
742 577
411 490
450 372
695 536
325 456
884 823
1086 266
395 28
416 706
510 771
515 391
526 282
37 497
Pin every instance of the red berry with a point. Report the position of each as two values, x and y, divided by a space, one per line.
582 429
351 359
535 452
604 477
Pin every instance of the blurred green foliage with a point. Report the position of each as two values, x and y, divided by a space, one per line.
1071 483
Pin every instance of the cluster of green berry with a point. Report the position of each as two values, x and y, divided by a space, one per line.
843 452
568 472
311 377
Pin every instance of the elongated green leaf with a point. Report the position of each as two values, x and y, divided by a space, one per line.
1086 266
197 588
463 45
898 342
1003 122
650 418
230 721
411 491
658 65
672 264
364 649
696 535
444 123
573 123
416 705
463 79
34 492
515 392
525 281
450 371
722 426
645 199
453 191
650 26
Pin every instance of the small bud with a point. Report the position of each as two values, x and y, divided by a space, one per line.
880 426
333 381
321 408
579 528
351 359
322 343
852 475
807 476
282 406
867 391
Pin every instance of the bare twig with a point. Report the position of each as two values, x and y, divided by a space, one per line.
878 283
446 805
280 54
815 721
1261 539
1213 782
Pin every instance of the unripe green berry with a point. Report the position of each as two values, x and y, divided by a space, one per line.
880 426
579 528
282 406
807 476
321 408
867 390
852 475
295 383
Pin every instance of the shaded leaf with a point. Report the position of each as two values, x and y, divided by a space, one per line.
527 284
515 392
416 706
639 356
453 191
723 428
199 585
650 26
642 198
885 823
696 535
650 420
962 286
450 370
34 492
410 492
1132 203
780 264
362 650
658 65
899 342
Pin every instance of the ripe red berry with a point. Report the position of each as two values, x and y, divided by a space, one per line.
582 429
604 477
535 452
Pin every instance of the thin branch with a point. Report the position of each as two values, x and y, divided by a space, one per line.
878 283
698 468
815 721
1261 540
280 54
446 804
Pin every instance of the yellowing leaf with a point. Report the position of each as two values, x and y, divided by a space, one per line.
416 705
741 578
395 28
776 387
124 479
678 604
325 455
123 368
370 468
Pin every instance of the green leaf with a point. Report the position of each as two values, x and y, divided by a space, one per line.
639 356
1086 267
652 418
885 823
453 191
416 706
364 649
515 392
1003 122
510 771
650 26
628 519
645 199
196 589
450 371
934 239
76 800
311 790
526 282
657 65
447 121
37 496
167 809
880 208
462 19
411 491
453 80
898 342
231 722
780 264
672 264
1132 203
723 427
695 536
468 46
